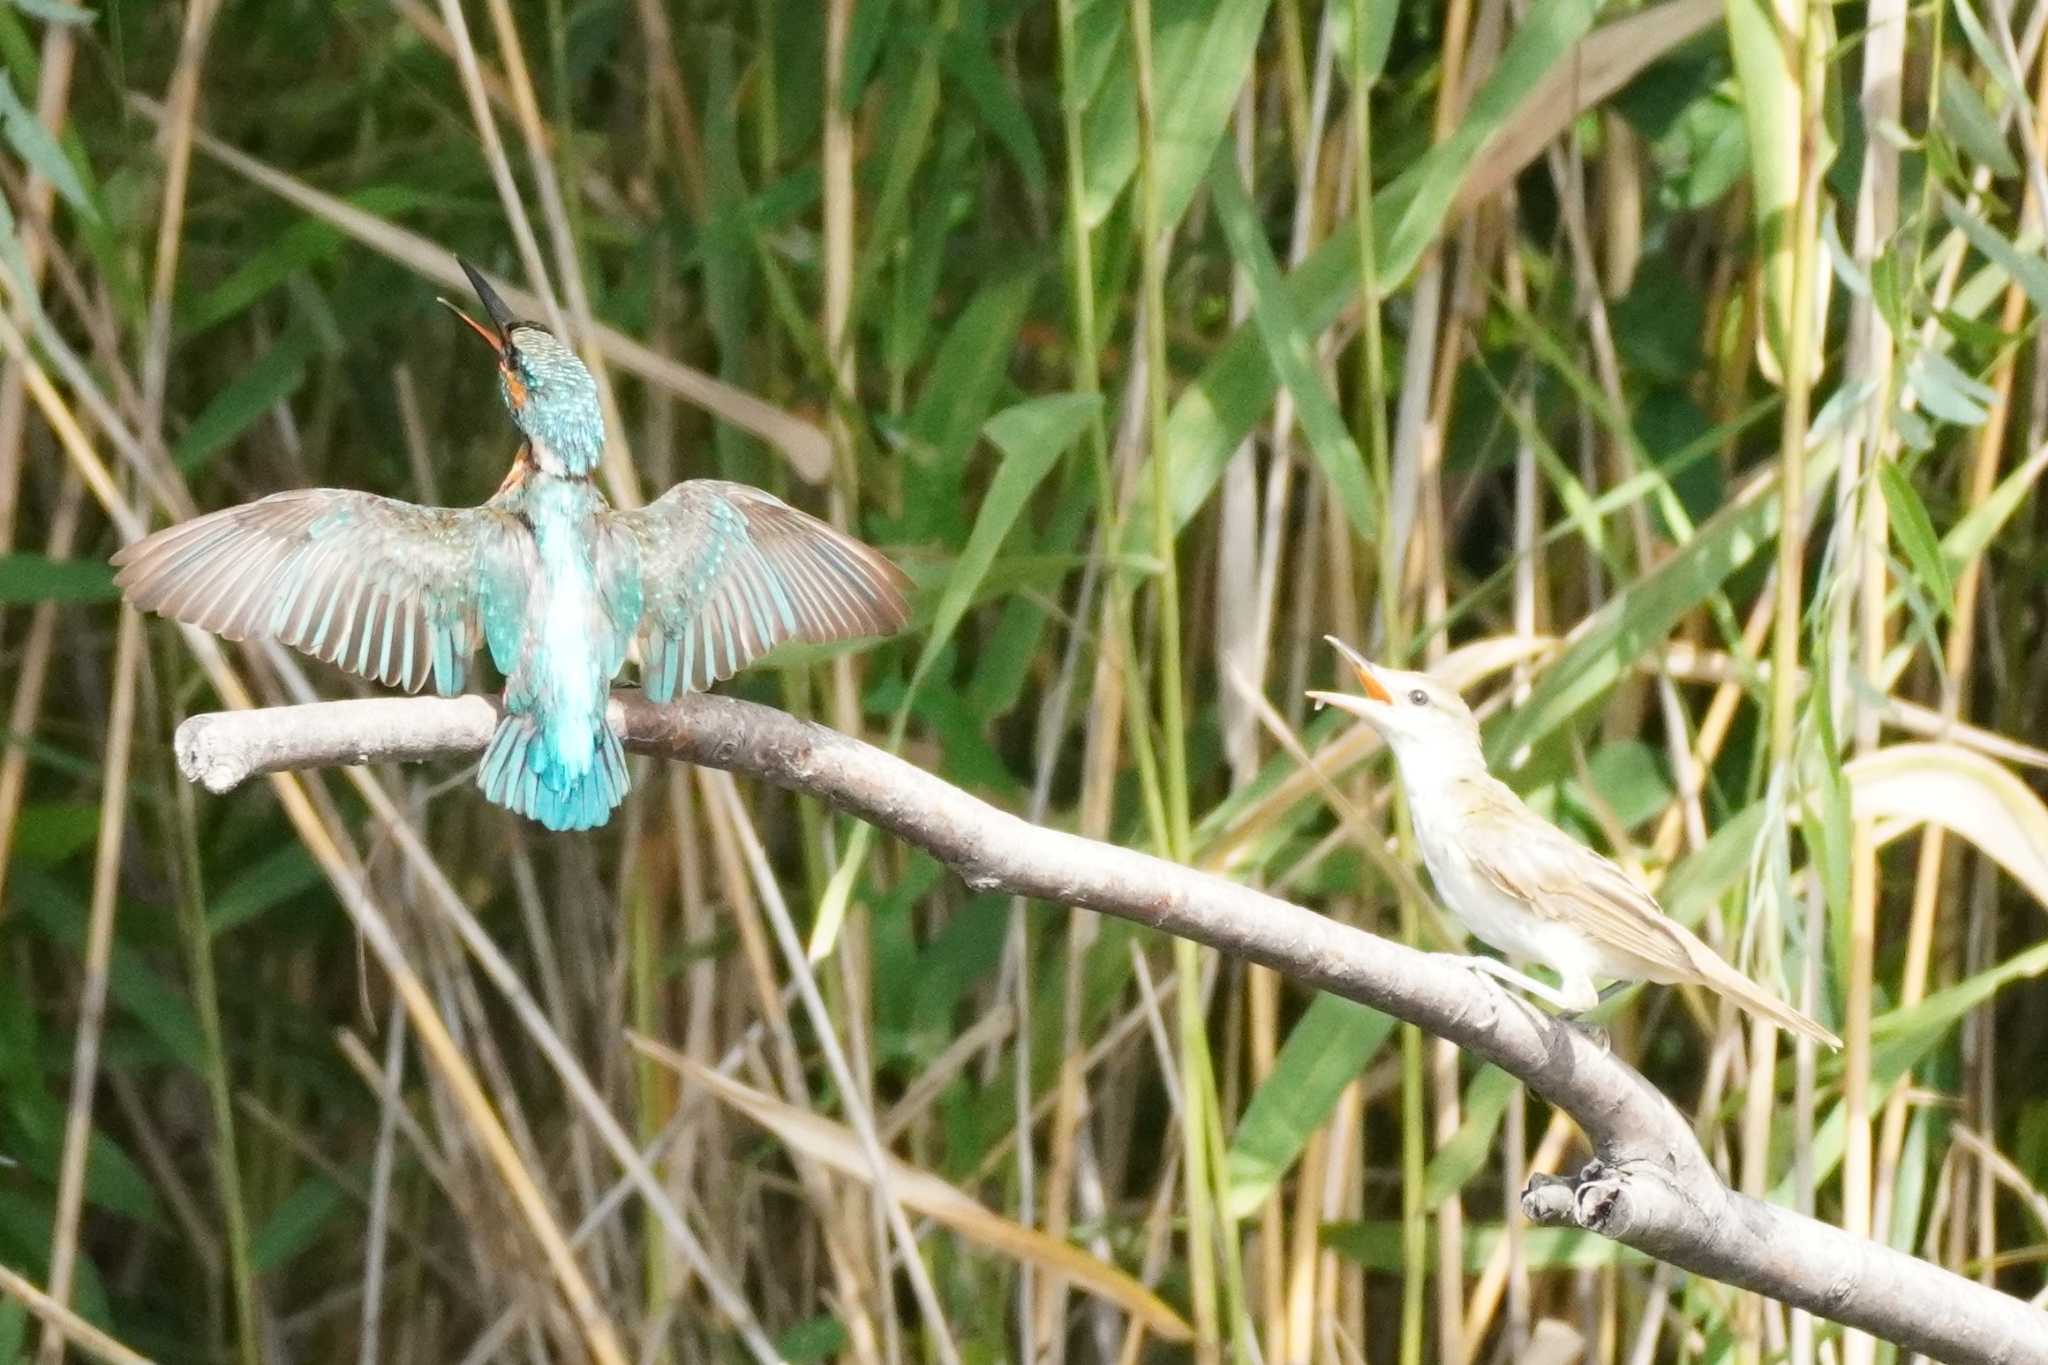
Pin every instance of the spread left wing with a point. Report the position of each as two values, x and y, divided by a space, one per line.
383 588
728 572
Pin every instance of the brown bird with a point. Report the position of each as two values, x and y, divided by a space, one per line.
1518 882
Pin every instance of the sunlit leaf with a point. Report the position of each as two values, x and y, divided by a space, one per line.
1324 1052
1964 792
1915 532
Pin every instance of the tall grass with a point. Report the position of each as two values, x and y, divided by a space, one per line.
1668 377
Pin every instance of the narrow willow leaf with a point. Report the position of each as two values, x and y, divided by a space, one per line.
1990 53
1846 270
967 60
292 1227
819 1338
1376 40
968 373
1213 414
1914 531
263 885
1968 537
2025 268
1974 127
1946 391
274 377
1905 1038
161 1010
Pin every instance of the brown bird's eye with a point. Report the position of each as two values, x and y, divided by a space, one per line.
1419 697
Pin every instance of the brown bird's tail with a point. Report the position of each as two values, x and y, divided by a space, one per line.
1754 998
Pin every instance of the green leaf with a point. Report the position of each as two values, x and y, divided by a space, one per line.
1903 1038
292 1226
1325 1052
112 1179
1463 1154
306 242
41 151
51 831
274 377
1376 38
819 1338
1202 52
2025 268
1287 349
26 579
964 382
1946 391
263 885
968 62
1914 531
161 1010
1990 53
1964 117
1968 537
13 1331
1629 776
1032 436
1712 871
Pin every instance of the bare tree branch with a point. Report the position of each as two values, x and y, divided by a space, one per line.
1650 1187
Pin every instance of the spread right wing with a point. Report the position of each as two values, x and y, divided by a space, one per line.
380 587
728 572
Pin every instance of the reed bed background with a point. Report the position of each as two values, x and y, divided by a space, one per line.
1073 308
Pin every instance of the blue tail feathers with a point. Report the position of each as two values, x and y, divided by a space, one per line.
519 774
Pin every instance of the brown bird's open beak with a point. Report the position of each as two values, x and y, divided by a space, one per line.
1369 684
499 337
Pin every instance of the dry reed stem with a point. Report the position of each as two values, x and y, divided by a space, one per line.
92 993
57 1317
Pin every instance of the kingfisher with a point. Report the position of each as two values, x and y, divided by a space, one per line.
551 578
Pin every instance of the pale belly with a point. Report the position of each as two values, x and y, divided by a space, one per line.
570 631
1496 918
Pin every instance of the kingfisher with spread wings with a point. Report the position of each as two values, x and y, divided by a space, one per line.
547 574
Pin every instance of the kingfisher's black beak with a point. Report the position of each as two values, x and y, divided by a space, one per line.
500 335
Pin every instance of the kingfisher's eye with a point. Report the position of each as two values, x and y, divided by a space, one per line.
1419 697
